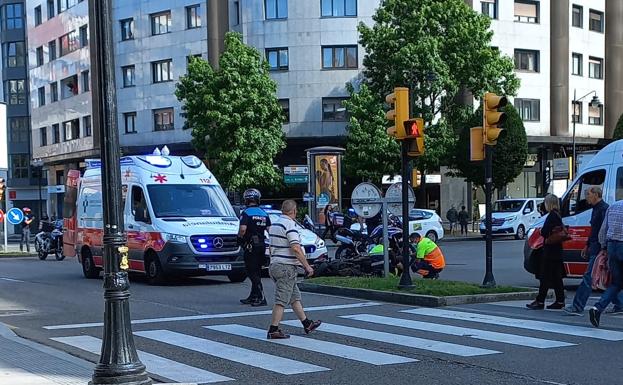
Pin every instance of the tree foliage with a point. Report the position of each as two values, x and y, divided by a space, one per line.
370 152
618 130
235 116
509 154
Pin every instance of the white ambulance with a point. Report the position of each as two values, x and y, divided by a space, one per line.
177 217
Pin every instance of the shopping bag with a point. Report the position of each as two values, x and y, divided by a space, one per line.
601 274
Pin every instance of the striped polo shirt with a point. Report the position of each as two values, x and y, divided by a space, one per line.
283 233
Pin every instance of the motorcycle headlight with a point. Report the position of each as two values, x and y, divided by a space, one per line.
174 238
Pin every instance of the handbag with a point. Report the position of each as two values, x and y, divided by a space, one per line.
558 235
600 275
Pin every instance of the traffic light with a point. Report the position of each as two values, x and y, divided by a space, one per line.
416 178
414 130
2 189
492 118
399 101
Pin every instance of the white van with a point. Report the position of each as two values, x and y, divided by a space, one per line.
605 170
513 216
177 217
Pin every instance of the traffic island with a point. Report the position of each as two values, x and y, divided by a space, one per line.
429 293
16 254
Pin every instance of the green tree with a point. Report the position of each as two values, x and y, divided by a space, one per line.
235 116
370 152
509 155
618 130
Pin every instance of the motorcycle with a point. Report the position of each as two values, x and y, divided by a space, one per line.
50 240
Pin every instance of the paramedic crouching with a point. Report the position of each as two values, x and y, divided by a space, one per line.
429 260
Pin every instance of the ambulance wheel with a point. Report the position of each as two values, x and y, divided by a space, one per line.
521 232
153 269
88 266
237 277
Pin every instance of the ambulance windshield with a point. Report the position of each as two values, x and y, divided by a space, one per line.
185 200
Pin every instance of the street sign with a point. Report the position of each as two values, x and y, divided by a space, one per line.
296 170
394 196
1 216
295 179
366 200
308 197
58 189
15 216
562 168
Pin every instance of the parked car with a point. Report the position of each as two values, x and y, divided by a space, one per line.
312 244
513 216
427 223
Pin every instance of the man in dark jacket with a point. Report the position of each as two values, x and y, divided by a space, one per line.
463 220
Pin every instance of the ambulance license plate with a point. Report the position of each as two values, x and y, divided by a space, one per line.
219 267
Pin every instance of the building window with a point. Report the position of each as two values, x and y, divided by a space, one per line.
43 136
338 8
577 112
577 13
128 76
595 67
127 29
339 57
529 109
84 36
276 9
15 55
526 60
12 16
527 11
576 64
69 87
37 15
489 8
51 13
86 84
285 106
41 93
193 16
15 91
160 23
64 5
52 50
71 130
86 126
39 53
129 120
163 119
19 166
56 133
18 129
162 71
333 110
69 42
277 58
236 20
54 92
595 114
595 21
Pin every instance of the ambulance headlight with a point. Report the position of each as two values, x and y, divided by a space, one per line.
174 238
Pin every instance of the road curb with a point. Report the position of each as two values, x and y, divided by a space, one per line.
415 299
16 255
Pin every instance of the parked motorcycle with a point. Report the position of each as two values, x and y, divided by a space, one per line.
50 240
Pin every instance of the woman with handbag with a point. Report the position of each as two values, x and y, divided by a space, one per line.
551 270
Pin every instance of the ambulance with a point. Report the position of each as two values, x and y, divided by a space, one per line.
177 218
605 170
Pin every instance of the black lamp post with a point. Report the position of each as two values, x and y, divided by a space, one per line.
594 103
119 363
38 163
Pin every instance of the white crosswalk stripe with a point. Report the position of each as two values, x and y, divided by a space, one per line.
403 340
486 335
550 327
232 353
160 366
318 346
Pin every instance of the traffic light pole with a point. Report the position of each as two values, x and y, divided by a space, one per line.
489 280
405 278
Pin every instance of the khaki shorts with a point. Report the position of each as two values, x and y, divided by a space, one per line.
286 290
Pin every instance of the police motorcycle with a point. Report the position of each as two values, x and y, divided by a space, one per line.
50 240
356 243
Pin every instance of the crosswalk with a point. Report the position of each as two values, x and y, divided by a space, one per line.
400 338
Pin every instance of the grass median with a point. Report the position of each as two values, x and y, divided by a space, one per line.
437 288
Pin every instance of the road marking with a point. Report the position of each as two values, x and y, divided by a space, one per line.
522 305
402 340
213 316
12 280
232 353
319 346
486 335
579 331
160 366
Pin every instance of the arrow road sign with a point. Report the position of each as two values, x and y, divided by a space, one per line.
15 216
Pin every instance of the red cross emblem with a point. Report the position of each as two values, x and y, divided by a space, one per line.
160 178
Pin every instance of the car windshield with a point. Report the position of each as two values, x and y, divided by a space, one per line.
188 200
507 206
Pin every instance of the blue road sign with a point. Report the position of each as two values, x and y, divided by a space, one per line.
15 216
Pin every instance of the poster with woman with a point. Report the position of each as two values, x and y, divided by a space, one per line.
327 182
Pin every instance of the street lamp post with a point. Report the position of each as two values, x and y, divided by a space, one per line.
594 103
39 164
119 363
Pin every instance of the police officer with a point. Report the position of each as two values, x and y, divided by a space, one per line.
253 223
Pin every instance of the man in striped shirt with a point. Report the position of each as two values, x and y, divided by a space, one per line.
286 257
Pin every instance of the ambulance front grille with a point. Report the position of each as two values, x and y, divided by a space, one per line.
214 243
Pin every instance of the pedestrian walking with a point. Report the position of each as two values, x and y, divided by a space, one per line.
253 223
26 223
429 260
463 220
452 216
611 239
590 252
286 258
551 270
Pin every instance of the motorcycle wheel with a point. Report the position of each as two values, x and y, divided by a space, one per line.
344 251
42 254
59 255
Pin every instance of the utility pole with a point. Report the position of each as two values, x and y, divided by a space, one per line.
119 363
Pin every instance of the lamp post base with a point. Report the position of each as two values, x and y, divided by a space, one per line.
111 376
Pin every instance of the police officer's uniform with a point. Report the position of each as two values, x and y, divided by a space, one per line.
253 243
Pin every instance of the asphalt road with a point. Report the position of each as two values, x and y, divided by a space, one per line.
202 334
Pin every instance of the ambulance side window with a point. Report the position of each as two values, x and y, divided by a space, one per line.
139 205
618 192
575 202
